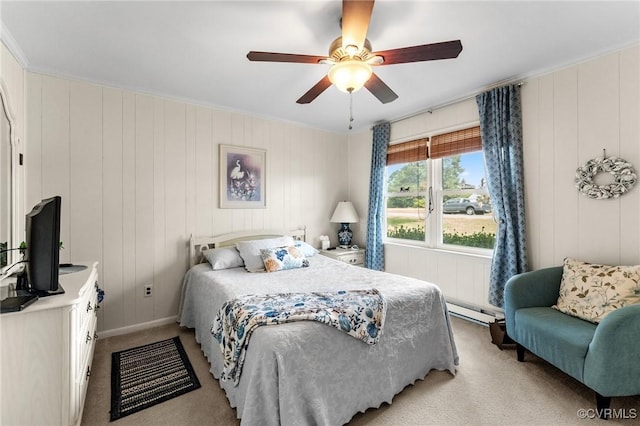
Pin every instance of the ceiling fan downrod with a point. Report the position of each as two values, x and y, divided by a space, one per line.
350 90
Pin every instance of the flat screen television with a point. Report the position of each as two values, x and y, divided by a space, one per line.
42 253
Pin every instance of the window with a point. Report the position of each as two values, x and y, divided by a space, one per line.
467 212
407 186
441 198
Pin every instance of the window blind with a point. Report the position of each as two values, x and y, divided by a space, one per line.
407 152
454 143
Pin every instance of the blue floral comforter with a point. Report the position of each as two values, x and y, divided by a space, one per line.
359 313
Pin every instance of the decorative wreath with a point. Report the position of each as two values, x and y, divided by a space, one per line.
624 177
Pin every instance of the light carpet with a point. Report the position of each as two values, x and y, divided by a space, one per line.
490 388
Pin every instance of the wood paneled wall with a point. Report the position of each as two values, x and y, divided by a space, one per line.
569 117
138 174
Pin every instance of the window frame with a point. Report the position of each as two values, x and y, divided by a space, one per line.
427 213
434 220
438 203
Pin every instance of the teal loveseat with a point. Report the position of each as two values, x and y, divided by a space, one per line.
604 356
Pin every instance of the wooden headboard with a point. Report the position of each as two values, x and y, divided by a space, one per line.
199 244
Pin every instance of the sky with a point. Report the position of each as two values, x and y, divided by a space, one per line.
473 166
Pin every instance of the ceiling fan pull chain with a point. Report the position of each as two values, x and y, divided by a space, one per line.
350 109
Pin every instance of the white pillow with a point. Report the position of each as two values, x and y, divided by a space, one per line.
307 249
250 251
223 258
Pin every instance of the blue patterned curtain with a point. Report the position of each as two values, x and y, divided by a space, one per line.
501 130
374 256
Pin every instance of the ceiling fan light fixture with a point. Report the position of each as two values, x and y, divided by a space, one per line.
350 75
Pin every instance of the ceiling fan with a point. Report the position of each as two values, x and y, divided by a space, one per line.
352 58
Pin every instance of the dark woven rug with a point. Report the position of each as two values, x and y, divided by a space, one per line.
148 375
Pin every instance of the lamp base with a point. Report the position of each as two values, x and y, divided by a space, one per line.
345 235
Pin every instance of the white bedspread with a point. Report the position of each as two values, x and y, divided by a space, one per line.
306 373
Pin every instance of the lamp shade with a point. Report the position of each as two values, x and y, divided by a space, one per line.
344 213
350 75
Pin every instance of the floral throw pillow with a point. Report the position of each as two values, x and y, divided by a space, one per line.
591 291
283 258
250 251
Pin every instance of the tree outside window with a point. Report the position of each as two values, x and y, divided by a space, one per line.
466 212
406 200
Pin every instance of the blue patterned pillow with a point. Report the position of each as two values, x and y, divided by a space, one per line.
283 258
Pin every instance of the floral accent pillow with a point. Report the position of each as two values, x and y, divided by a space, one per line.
250 251
591 291
283 258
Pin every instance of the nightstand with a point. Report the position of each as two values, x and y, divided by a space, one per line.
350 256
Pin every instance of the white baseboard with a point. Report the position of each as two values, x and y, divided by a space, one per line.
137 327
470 314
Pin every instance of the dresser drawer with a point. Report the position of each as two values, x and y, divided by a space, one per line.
86 324
350 256
86 343
353 258
86 327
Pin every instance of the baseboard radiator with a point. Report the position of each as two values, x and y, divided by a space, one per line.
473 313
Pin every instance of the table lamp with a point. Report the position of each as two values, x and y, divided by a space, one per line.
344 215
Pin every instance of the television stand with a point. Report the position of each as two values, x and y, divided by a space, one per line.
22 287
39 293
46 354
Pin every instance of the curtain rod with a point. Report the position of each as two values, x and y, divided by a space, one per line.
455 101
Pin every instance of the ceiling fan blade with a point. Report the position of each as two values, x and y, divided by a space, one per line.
284 57
356 15
315 91
424 52
380 90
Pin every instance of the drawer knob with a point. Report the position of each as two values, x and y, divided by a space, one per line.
88 338
89 306
88 371
95 335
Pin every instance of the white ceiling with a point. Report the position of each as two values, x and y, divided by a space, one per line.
196 51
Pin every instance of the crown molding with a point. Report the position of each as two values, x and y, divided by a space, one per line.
13 47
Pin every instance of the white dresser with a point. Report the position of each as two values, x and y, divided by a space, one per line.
46 354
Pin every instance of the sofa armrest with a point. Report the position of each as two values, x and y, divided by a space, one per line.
611 366
531 289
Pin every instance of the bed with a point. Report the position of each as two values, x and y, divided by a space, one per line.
305 372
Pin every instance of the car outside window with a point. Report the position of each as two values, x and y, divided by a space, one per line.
464 219
467 213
